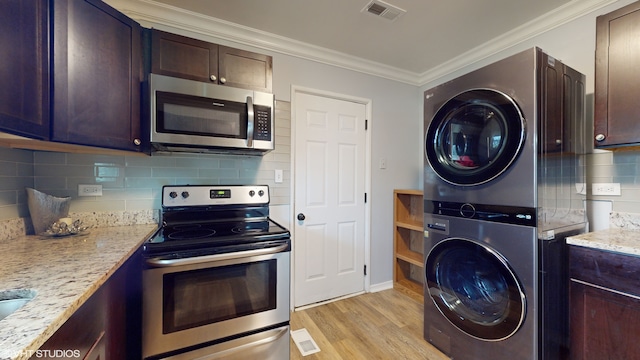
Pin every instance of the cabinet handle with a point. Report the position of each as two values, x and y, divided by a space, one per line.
223 80
137 142
213 78
600 137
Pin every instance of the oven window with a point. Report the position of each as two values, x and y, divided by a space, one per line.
193 115
205 296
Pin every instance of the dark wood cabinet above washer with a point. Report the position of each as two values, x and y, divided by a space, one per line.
617 83
188 58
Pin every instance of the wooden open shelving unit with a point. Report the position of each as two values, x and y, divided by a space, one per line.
408 240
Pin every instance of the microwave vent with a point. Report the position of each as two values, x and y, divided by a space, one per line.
383 10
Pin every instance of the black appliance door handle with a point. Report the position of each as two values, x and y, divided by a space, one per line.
301 217
250 122
160 262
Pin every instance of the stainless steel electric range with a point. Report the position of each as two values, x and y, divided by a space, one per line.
216 280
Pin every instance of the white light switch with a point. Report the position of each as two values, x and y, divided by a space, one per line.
383 163
279 176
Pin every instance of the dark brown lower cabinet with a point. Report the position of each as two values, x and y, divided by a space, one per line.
107 325
605 305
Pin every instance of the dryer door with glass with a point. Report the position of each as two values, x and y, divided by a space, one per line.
474 287
474 137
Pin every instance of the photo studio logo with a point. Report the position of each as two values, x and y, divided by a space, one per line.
48 354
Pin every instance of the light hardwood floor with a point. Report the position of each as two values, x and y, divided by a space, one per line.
382 325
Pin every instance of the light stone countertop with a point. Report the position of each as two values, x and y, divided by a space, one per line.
623 241
64 272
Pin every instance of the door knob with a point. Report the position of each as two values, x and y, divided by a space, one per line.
301 216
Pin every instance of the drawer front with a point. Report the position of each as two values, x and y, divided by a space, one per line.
607 269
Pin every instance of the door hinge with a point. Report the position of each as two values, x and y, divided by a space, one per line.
366 124
365 270
365 198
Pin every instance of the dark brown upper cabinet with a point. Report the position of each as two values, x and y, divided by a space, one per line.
24 89
188 58
617 83
97 72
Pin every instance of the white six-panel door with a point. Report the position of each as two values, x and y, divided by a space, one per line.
330 155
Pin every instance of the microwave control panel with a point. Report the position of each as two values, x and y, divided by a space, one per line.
262 129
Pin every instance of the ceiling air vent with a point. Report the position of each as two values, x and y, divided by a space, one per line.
383 10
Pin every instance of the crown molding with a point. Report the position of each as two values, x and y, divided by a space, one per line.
151 13
563 15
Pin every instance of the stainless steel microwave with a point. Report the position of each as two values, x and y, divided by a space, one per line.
193 116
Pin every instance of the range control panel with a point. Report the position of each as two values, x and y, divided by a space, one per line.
205 195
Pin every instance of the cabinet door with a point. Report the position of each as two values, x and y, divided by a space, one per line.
82 333
97 72
605 324
24 55
183 57
617 83
239 68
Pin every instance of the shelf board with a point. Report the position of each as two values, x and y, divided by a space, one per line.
408 192
412 258
410 226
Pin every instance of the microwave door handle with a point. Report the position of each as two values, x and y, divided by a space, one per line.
250 122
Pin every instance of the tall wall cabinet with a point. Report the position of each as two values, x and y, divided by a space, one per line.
408 240
617 84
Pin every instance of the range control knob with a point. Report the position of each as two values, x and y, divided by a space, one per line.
173 194
261 192
185 194
252 193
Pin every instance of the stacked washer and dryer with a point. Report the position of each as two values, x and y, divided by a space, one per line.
503 188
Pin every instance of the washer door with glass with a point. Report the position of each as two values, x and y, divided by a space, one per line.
474 137
475 289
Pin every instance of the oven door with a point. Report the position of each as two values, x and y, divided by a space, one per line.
197 301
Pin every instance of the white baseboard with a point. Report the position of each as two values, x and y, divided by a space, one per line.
381 286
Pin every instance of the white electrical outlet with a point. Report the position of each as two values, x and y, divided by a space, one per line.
605 189
89 190
278 176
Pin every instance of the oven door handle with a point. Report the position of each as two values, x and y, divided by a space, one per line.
160 262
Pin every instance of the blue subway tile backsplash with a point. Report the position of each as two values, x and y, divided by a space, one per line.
132 183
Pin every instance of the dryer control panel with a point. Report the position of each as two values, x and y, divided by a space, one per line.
496 213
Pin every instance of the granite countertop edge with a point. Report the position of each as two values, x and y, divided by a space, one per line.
64 272
622 241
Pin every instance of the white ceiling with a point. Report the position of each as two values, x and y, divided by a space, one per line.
427 39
